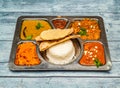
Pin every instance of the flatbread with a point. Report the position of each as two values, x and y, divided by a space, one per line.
54 34
47 44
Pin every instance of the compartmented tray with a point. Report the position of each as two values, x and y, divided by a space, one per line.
80 44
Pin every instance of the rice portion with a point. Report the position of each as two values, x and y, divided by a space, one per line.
62 53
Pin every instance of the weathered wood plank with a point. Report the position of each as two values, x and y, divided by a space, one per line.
10 10
60 6
7 31
5 48
11 17
59 82
114 72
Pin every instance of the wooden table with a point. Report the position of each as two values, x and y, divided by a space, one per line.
10 10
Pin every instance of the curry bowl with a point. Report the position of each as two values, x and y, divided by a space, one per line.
92 51
89 28
60 23
32 27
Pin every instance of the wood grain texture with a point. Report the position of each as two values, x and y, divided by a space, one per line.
59 82
10 10
60 6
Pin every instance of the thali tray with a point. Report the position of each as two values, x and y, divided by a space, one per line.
78 44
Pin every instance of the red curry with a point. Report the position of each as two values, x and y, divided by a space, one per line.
59 23
92 51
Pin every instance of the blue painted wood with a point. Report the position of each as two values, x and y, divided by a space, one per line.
10 10
60 5
59 82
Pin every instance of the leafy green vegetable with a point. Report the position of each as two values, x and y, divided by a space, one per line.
38 26
97 62
82 31
29 37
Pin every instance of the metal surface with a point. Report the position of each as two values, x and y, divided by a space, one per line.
46 65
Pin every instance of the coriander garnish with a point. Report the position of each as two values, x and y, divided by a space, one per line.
29 37
97 62
38 26
82 31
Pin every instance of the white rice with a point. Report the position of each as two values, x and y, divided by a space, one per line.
62 53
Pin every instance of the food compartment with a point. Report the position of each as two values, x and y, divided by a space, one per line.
26 54
59 23
31 28
64 53
87 28
93 54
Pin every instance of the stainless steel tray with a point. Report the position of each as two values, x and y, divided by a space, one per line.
78 43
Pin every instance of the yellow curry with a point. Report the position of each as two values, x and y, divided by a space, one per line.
32 28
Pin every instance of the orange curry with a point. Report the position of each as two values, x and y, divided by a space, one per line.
93 51
87 28
26 55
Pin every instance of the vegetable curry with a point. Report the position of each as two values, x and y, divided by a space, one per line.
93 54
26 55
87 28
